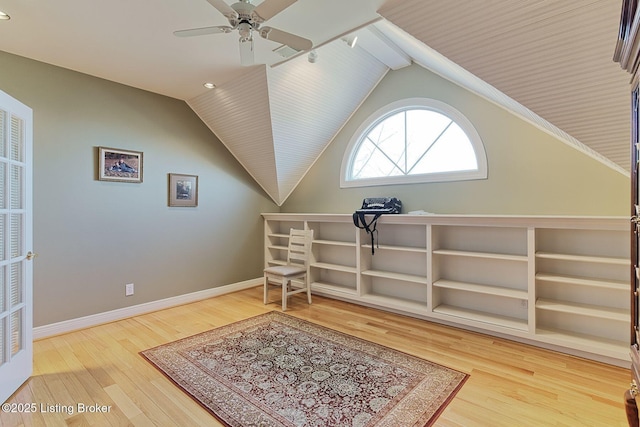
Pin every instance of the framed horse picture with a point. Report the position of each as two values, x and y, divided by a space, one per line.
119 165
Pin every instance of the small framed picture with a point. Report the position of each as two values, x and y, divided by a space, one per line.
183 190
119 165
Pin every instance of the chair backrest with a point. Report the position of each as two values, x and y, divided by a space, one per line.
299 246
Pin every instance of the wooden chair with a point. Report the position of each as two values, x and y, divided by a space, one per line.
297 265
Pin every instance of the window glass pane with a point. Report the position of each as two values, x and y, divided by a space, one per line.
3 328
16 235
17 137
3 222
3 126
452 152
373 162
390 139
3 288
16 332
423 128
3 201
16 284
16 187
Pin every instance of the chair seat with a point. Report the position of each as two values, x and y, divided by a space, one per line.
285 270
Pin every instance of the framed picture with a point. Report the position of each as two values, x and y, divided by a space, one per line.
119 165
183 190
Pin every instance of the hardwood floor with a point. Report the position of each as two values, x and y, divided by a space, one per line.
510 384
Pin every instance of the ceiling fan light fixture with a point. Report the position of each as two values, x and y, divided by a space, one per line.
244 29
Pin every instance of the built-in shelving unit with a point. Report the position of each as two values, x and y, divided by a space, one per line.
559 282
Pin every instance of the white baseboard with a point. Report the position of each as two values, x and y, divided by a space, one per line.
123 313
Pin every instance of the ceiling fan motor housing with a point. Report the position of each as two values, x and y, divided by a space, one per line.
244 9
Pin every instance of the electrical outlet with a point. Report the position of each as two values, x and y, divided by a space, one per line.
128 289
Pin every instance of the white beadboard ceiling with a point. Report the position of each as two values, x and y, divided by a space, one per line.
552 56
550 61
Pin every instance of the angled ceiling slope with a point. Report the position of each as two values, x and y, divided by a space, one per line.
552 56
277 121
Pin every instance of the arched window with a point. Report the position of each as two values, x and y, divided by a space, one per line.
414 140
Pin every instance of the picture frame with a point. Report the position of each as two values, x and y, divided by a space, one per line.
183 190
115 164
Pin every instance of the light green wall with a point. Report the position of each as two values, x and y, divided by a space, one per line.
93 237
530 171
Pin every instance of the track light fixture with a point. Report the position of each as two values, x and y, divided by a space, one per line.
350 41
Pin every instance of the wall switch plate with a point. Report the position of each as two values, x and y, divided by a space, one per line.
128 289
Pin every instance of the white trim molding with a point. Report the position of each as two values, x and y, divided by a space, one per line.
70 325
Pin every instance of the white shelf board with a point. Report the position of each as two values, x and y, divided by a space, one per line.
479 316
335 267
583 281
278 247
397 248
279 235
395 303
591 343
334 243
485 255
396 276
482 289
333 289
583 258
617 314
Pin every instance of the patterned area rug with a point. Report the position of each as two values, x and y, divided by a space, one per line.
277 370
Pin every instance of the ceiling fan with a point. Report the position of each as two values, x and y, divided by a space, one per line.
247 18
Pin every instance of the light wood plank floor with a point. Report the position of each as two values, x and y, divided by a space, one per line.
510 385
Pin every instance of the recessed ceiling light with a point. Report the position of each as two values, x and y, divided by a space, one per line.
209 85
4 16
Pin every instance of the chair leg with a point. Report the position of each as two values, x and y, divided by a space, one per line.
285 285
306 279
266 290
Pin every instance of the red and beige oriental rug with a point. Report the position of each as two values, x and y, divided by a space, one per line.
277 370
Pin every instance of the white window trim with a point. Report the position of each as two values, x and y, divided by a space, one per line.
395 107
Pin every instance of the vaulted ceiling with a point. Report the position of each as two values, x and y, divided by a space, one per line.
550 61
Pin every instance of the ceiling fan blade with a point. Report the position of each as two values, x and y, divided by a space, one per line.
246 52
203 31
295 42
224 9
269 8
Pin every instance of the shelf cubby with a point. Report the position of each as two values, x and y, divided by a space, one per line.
332 280
397 291
481 240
